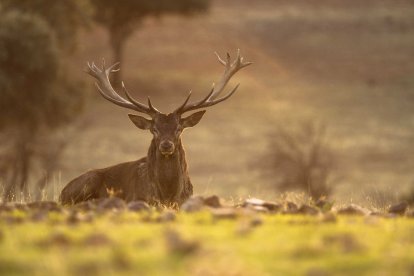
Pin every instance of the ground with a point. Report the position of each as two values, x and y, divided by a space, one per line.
211 241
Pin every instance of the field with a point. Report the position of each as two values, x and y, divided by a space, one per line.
46 239
348 65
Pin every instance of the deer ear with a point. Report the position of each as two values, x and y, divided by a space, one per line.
193 119
140 122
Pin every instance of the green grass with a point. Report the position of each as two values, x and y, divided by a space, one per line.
138 244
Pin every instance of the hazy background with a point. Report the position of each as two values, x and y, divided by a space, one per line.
348 65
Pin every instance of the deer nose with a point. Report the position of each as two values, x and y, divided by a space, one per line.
166 147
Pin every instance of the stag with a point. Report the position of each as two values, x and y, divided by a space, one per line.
162 176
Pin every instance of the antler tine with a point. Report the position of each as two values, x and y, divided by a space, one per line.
107 91
230 68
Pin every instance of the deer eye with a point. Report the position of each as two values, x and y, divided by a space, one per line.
155 131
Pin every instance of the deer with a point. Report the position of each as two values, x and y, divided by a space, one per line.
162 176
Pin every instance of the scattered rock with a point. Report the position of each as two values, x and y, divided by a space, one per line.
353 210
5 208
290 208
324 204
76 217
176 244
193 204
96 239
44 205
224 213
269 206
166 216
410 213
328 217
260 209
398 209
112 203
212 201
307 210
85 206
138 206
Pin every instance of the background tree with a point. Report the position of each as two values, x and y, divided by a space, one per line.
36 95
301 159
64 17
122 18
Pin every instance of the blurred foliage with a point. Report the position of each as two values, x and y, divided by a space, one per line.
122 18
37 95
301 159
64 17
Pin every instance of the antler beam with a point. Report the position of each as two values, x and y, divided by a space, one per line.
230 68
108 92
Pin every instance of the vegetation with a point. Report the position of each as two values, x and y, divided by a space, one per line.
301 159
36 96
122 18
168 243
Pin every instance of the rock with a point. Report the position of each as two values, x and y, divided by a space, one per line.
212 201
353 210
176 244
398 209
260 209
112 203
5 208
44 205
85 206
193 204
324 204
290 208
410 213
76 217
224 213
138 206
270 206
307 210
328 217
166 216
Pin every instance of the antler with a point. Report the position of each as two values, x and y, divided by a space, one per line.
212 98
107 91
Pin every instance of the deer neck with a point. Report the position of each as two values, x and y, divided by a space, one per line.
168 173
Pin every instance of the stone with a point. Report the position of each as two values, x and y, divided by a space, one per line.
138 206
212 201
166 216
353 209
112 203
307 210
398 208
193 204
270 206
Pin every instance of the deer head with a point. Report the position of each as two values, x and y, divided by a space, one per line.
166 128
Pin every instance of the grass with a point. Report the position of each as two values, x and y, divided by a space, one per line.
128 243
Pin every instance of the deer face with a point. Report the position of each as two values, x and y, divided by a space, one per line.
166 128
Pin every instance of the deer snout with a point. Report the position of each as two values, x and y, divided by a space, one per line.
167 147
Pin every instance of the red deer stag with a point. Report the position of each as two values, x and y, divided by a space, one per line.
162 176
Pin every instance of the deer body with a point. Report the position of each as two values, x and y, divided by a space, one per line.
162 176
154 179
